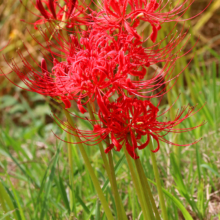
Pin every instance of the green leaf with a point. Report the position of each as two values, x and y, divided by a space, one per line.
200 195
17 202
117 168
6 200
212 170
177 202
63 193
91 212
7 101
82 204
7 215
97 211
49 182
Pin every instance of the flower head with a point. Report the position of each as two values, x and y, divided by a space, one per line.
126 15
110 64
128 121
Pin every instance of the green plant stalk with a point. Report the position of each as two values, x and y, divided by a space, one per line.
107 168
71 171
189 80
214 70
172 116
146 187
159 187
137 186
146 194
169 98
176 202
120 209
198 162
90 170
184 60
110 172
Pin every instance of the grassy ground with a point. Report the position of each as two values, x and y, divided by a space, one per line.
34 171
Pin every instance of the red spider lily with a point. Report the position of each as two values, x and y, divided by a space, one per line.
99 61
108 62
127 14
127 120
114 15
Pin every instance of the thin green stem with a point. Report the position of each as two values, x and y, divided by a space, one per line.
159 187
71 171
90 169
146 187
137 186
120 209
172 116
107 168
146 194
110 172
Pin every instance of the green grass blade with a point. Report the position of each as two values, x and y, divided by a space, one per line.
23 170
177 202
181 186
63 193
97 211
7 215
210 169
6 200
17 200
91 212
117 168
82 204
49 183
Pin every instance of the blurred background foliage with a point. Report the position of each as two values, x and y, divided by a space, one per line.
33 162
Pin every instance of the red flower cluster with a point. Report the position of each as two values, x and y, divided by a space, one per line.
101 58
127 121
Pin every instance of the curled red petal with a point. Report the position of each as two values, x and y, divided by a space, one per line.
41 9
131 30
52 8
134 141
43 66
101 104
66 102
96 128
145 144
156 5
130 151
158 143
73 5
110 147
115 142
153 35
81 108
